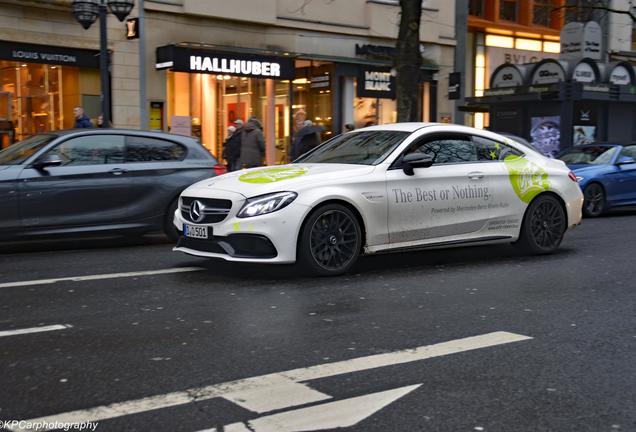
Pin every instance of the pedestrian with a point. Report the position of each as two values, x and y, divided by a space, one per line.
307 138
81 121
252 144
232 148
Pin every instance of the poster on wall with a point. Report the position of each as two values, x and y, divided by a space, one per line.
181 125
582 135
236 111
545 134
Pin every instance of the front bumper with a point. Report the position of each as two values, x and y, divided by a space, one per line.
270 238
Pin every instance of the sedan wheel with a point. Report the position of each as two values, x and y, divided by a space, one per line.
594 200
330 240
543 226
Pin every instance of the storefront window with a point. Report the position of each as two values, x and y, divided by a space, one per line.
212 103
373 111
313 95
38 98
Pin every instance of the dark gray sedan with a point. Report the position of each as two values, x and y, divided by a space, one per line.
97 180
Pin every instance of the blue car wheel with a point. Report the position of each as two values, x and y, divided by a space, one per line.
594 200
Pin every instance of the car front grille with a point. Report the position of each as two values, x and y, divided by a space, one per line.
212 210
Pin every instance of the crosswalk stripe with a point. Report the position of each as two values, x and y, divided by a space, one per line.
35 330
252 385
100 276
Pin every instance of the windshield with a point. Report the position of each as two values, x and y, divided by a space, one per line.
598 155
360 148
21 151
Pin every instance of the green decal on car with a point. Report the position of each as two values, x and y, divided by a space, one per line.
527 178
270 175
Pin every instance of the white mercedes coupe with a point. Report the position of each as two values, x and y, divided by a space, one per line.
381 189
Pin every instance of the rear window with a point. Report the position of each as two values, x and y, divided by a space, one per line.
144 149
595 155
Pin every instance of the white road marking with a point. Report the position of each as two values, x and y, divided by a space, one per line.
35 330
254 385
275 392
100 276
331 415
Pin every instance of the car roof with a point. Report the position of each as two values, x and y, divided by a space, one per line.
404 127
157 134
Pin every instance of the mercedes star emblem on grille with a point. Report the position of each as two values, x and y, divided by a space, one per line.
196 211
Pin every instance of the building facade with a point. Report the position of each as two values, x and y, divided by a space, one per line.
49 64
282 61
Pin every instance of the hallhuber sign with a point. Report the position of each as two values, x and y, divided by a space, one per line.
187 59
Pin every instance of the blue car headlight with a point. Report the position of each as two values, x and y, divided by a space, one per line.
579 179
264 204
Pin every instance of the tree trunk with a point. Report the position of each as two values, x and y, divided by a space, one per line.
408 61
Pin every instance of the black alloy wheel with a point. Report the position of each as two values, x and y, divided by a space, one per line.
593 200
330 240
543 226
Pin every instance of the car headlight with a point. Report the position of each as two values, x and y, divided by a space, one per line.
264 204
579 179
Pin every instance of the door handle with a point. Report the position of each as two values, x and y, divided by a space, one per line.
476 175
117 171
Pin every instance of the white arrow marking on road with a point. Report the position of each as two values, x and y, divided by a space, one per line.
35 330
100 276
331 415
257 385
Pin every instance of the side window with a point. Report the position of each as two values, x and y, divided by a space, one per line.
447 149
629 151
91 150
143 149
489 150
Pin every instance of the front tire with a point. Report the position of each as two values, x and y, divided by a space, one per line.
593 200
543 226
330 241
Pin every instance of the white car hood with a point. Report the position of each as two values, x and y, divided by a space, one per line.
292 177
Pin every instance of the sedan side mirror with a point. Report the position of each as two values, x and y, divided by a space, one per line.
416 160
49 160
625 160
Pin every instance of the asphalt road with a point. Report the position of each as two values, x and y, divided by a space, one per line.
554 349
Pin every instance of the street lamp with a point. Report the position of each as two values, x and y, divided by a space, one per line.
86 13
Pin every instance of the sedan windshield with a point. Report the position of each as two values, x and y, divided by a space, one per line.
359 148
21 151
597 155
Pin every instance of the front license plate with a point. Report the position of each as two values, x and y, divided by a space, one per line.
195 231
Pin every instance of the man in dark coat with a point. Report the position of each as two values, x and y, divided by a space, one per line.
232 148
252 144
307 138
81 121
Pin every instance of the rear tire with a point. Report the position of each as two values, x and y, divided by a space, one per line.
593 200
330 241
543 226
169 229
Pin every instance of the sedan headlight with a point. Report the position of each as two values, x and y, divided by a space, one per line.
579 179
264 204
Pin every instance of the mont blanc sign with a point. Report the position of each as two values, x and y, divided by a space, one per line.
375 83
198 60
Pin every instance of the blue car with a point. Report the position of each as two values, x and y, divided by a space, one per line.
606 174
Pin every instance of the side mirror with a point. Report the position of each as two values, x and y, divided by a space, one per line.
48 161
416 160
625 160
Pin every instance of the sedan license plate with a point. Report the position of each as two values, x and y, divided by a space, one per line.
195 231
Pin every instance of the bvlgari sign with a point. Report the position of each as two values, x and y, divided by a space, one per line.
375 83
188 59
45 54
